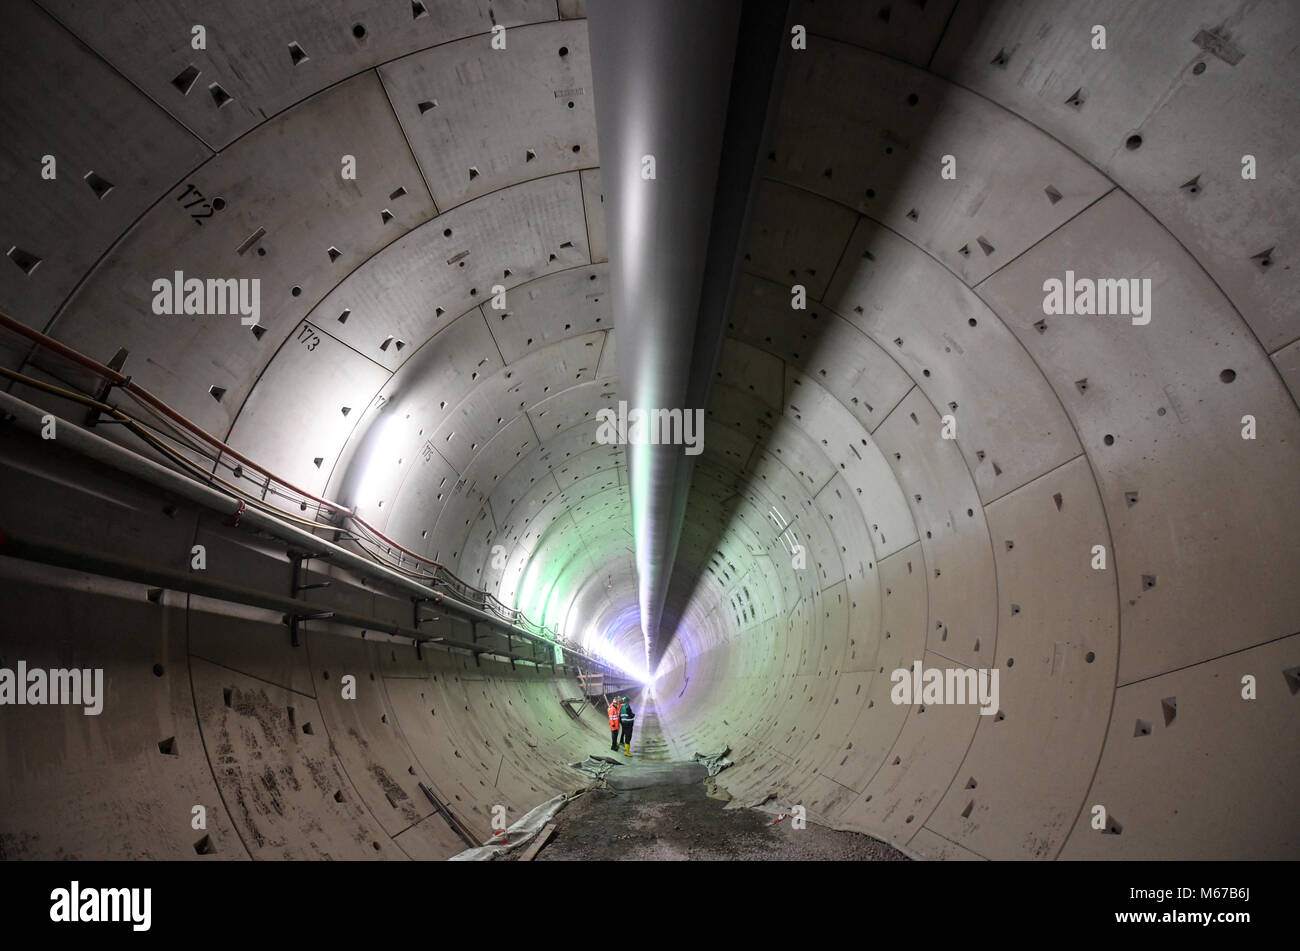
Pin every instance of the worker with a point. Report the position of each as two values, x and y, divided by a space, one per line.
626 716
614 723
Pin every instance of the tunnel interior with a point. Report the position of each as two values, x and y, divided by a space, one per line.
906 457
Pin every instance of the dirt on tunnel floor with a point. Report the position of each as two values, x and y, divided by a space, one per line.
681 822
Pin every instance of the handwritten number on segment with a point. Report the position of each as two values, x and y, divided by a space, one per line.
207 208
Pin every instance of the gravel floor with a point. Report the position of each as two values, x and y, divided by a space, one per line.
674 823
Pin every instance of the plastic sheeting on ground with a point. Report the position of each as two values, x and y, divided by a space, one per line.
596 766
714 762
519 834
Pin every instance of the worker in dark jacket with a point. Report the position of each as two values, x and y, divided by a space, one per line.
625 717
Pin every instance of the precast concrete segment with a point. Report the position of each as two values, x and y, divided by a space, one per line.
189 354
258 67
1197 361
78 122
79 787
1180 90
1056 651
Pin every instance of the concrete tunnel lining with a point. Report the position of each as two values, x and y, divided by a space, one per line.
380 375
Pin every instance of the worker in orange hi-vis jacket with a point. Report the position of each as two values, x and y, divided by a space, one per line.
614 723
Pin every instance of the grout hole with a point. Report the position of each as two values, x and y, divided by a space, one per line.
1169 706
219 95
24 259
1264 259
1292 677
101 186
184 80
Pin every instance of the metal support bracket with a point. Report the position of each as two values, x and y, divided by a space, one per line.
298 557
92 414
416 620
293 621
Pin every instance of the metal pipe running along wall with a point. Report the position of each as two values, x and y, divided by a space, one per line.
152 403
30 419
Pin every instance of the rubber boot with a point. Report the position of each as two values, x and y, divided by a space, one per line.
627 749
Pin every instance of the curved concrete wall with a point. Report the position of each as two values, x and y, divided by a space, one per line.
381 374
